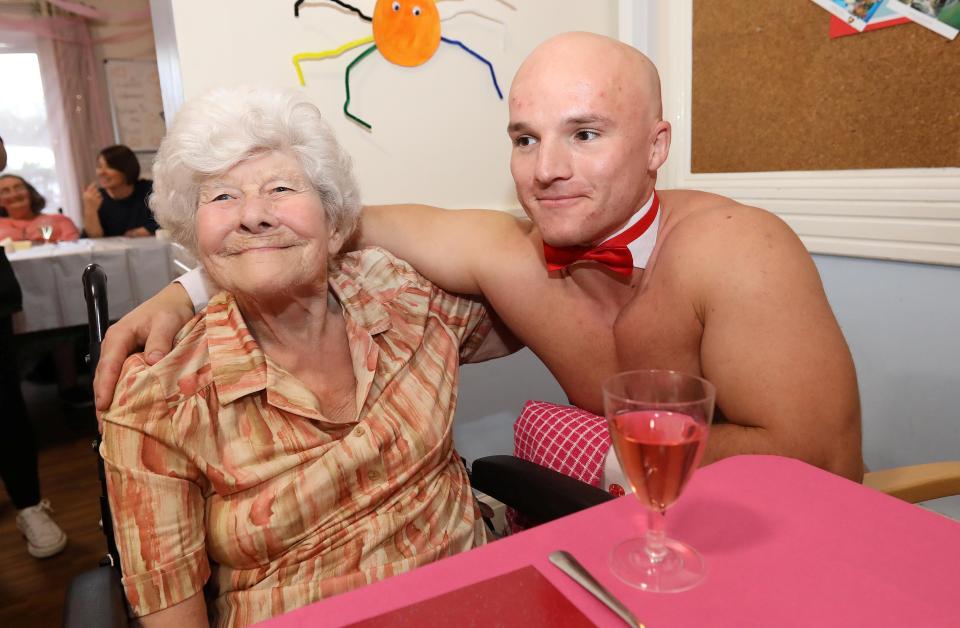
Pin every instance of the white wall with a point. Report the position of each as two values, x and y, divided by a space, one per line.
439 131
901 322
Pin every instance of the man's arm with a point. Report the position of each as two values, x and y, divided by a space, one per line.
451 248
785 378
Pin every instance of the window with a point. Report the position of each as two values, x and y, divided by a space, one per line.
23 125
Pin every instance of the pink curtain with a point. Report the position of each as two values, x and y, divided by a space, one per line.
75 94
82 94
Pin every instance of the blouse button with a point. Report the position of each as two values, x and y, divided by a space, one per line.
359 431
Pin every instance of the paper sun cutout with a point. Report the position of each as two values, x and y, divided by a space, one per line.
406 32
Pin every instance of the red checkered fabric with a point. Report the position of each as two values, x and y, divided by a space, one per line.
563 438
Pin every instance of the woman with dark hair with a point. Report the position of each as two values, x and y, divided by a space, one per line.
22 220
116 204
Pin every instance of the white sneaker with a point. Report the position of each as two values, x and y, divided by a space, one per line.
44 537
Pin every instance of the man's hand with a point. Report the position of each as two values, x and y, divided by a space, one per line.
152 325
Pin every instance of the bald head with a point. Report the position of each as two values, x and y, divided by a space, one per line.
588 136
621 71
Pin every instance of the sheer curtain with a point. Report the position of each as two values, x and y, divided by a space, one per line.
76 106
74 93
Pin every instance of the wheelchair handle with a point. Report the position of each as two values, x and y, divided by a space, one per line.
98 318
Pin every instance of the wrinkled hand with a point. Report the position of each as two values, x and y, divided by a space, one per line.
152 325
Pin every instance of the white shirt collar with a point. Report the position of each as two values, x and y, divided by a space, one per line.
642 247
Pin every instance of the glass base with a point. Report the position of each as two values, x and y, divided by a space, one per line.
680 569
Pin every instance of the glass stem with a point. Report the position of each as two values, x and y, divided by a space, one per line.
656 536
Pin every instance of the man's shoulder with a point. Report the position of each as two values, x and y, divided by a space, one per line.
718 224
513 226
712 240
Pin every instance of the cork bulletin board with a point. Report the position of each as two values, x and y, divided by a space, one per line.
772 92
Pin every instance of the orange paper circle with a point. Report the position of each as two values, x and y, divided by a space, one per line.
407 32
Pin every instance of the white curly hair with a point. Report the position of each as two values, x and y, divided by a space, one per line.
225 126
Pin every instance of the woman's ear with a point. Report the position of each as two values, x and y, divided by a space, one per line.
335 242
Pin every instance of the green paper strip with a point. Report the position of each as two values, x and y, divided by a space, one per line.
346 80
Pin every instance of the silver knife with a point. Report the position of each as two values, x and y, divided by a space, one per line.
570 566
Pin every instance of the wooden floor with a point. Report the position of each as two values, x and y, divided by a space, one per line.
32 590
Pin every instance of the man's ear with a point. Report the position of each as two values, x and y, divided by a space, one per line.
660 135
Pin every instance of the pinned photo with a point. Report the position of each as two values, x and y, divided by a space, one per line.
863 9
881 16
855 13
940 16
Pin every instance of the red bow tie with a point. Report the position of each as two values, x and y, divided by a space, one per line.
613 253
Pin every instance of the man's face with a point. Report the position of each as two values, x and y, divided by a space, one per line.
581 151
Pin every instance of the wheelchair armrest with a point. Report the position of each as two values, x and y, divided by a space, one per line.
539 493
917 483
95 598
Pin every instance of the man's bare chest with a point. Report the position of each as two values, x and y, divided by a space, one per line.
583 339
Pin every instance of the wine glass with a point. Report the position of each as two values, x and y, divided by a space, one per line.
658 422
46 232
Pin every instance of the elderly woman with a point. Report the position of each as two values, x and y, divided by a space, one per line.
296 443
23 221
116 203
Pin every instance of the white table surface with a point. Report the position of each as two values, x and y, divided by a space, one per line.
50 278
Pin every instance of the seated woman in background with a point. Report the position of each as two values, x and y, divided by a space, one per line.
116 204
23 221
297 441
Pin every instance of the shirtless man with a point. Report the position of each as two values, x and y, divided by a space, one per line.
717 289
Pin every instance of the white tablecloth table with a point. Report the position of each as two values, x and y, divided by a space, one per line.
50 278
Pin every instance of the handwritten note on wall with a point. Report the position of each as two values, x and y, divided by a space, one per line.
136 103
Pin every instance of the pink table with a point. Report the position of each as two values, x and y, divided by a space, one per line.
786 544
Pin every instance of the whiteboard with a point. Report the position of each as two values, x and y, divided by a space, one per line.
135 102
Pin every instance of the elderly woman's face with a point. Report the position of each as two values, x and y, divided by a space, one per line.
15 198
262 229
